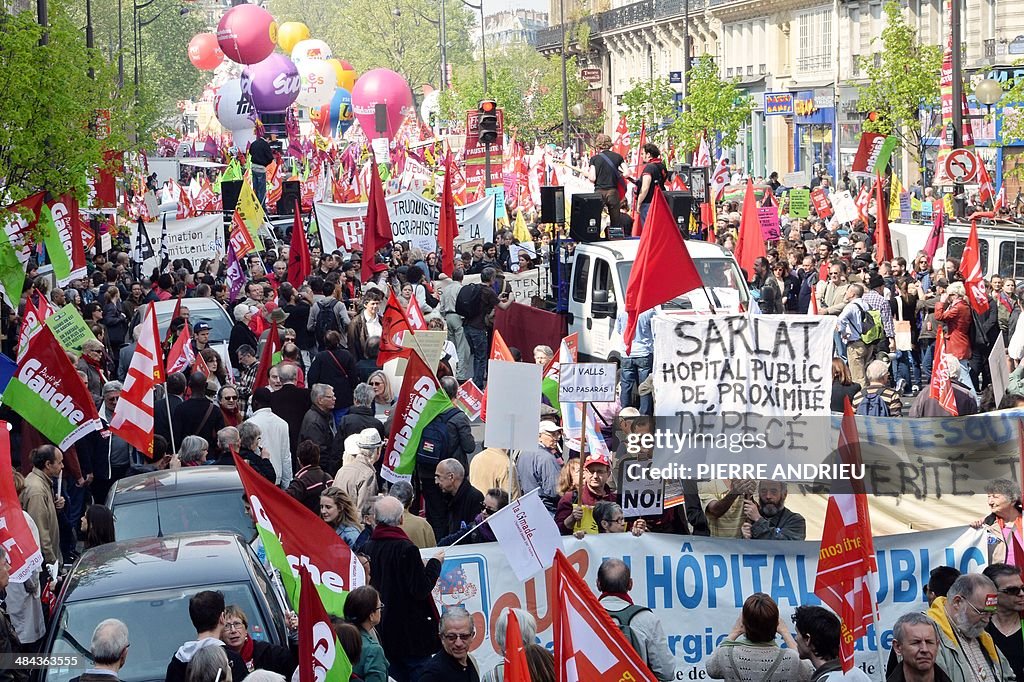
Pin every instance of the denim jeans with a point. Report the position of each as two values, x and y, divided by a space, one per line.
71 515
633 373
927 347
477 339
644 208
259 185
905 367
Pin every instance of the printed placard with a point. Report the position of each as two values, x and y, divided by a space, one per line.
587 382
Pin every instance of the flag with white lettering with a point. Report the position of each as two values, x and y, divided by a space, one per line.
288 529
420 401
321 657
32 321
527 534
23 551
49 394
66 224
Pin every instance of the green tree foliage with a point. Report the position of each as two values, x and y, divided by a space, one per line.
649 100
528 86
401 35
717 107
49 104
906 76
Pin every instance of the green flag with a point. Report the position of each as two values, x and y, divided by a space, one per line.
12 271
888 147
232 172
549 388
420 401
54 246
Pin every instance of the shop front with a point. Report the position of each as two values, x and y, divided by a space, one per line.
813 131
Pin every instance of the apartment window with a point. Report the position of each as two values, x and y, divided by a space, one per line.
750 69
814 41
855 65
990 48
762 69
728 72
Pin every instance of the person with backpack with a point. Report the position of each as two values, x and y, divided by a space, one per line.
474 303
638 623
878 399
328 314
335 367
877 302
851 327
447 436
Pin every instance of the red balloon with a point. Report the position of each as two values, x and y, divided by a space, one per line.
204 52
247 34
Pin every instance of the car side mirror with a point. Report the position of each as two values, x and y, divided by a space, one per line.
600 296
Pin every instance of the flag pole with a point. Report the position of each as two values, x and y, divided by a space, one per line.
170 424
583 449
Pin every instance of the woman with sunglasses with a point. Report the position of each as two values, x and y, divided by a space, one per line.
363 609
495 500
227 399
383 397
257 655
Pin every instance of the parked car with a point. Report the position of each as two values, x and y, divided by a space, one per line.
147 584
199 310
203 498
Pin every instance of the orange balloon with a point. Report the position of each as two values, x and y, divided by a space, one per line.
346 74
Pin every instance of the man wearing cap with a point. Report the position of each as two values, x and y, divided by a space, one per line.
541 466
597 470
357 476
241 334
200 337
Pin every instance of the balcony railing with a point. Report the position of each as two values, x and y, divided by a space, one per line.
635 14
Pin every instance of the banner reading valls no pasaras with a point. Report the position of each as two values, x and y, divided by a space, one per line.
413 219
696 585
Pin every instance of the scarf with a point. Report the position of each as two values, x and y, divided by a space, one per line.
624 596
382 532
97 365
246 652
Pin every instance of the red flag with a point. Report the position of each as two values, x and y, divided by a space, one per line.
1018 551
133 416
970 270
663 268
298 255
394 326
201 366
499 349
470 399
414 315
622 144
941 386
174 315
448 230
516 669
182 355
240 237
588 643
986 190
883 239
847 556
750 245
267 358
639 170
31 323
377 232
319 649
23 551
937 236
862 202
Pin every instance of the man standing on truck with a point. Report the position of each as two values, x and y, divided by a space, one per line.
606 173
261 155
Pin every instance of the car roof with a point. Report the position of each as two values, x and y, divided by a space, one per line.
625 249
171 562
202 303
172 483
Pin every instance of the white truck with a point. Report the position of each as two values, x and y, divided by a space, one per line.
1001 245
600 274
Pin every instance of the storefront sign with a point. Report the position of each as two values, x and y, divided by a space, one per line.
805 107
778 104
675 77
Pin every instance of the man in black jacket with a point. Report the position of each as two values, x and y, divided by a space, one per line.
197 416
206 609
463 501
408 632
164 409
262 155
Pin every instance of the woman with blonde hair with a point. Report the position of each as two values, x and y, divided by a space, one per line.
340 514
569 478
383 396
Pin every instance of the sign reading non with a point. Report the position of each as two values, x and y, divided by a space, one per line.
586 382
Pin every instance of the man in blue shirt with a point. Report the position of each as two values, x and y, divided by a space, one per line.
637 366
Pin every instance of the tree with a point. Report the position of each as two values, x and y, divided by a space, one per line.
905 77
50 104
716 107
652 101
401 35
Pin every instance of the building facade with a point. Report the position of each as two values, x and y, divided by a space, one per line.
512 27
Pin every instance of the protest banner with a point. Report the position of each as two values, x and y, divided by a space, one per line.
470 399
414 219
845 207
527 533
587 382
796 179
524 285
773 365
513 410
822 206
194 239
906 204
768 216
799 203
499 201
696 585
69 328
642 497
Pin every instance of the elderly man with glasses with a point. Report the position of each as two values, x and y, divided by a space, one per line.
453 662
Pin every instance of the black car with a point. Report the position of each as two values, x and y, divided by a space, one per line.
200 498
147 584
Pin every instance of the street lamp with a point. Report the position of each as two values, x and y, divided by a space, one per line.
988 92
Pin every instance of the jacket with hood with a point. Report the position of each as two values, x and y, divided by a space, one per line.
179 663
952 660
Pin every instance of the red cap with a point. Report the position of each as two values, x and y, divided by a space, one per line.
597 458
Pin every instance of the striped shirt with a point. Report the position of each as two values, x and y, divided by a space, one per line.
889 396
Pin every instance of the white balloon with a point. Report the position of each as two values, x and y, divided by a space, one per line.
244 137
431 105
233 106
311 50
318 83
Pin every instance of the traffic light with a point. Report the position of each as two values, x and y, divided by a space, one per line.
488 111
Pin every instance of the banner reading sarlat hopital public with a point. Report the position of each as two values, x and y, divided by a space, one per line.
696 585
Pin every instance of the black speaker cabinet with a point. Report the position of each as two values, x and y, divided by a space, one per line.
552 205
585 217
380 118
290 193
229 190
274 122
681 206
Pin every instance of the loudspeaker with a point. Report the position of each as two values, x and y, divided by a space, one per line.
229 190
274 123
380 118
585 217
681 205
552 205
290 193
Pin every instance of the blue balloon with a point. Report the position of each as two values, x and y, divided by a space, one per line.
341 112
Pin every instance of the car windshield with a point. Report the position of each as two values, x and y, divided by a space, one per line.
158 623
220 327
722 281
206 512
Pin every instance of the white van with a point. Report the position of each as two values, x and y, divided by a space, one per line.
600 274
1001 245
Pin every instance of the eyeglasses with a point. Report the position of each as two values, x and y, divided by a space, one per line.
376 383
379 608
1012 591
452 636
983 614
229 397
487 510
234 626
618 520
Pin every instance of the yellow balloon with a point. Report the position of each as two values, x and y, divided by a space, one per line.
346 74
290 33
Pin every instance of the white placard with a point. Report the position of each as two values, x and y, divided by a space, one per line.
513 405
997 367
642 497
586 382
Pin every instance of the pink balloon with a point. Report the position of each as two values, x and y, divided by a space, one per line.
380 86
204 52
247 34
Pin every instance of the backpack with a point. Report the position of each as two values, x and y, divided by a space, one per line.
623 619
871 329
873 405
326 321
469 302
435 441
